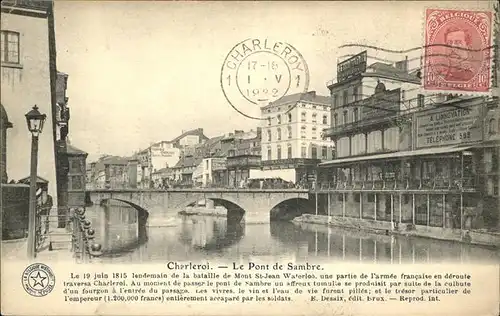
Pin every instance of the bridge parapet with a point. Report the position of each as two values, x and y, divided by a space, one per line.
253 203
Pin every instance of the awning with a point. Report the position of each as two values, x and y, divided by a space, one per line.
396 155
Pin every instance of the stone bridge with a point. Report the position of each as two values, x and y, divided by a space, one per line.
250 205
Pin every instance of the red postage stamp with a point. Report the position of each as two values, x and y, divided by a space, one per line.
458 51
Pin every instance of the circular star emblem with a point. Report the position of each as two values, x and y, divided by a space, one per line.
38 279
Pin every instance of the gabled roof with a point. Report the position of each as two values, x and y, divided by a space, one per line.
197 131
391 71
27 179
188 161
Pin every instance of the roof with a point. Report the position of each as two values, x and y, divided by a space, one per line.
396 155
72 150
116 161
27 179
175 141
391 71
109 160
188 161
310 96
197 131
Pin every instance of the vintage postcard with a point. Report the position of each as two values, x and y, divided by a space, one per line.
250 158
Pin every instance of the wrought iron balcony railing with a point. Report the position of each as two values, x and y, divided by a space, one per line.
462 184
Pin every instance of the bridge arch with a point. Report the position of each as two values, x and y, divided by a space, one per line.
251 205
287 210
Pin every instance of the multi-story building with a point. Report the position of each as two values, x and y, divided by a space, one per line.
109 172
244 157
28 70
419 161
292 136
166 154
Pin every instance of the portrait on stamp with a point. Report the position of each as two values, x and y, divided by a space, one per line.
457 50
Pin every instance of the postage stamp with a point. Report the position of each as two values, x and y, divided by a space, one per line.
38 279
457 54
258 71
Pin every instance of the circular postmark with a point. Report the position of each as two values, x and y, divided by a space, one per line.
38 279
258 71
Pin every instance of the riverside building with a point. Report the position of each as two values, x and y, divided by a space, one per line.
416 163
292 142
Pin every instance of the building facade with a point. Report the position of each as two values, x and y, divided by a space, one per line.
166 154
28 67
400 164
109 172
292 136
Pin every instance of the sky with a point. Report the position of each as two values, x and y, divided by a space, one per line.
141 72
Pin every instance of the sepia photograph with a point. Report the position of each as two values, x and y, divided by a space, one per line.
250 158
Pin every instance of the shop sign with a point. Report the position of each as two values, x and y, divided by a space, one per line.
351 67
218 164
453 126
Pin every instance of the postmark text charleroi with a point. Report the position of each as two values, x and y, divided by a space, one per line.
258 71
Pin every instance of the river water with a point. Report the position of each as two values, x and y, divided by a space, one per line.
210 238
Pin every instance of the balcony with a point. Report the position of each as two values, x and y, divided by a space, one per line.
291 162
243 161
461 185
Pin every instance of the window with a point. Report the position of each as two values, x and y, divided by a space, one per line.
303 132
345 118
345 97
314 152
289 132
279 152
355 115
314 117
324 152
75 166
10 47
269 152
371 197
268 121
325 120
303 116
355 94
279 133
335 100
289 151
76 183
303 151
492 126
279 118
206 164
420 100
335 119
357 197
268 135
289 117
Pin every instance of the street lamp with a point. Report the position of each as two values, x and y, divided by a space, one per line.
35 121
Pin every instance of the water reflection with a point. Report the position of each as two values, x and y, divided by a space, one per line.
214 238
210 233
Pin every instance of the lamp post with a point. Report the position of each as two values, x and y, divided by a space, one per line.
35 121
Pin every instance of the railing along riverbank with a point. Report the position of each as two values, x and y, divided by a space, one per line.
83 235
